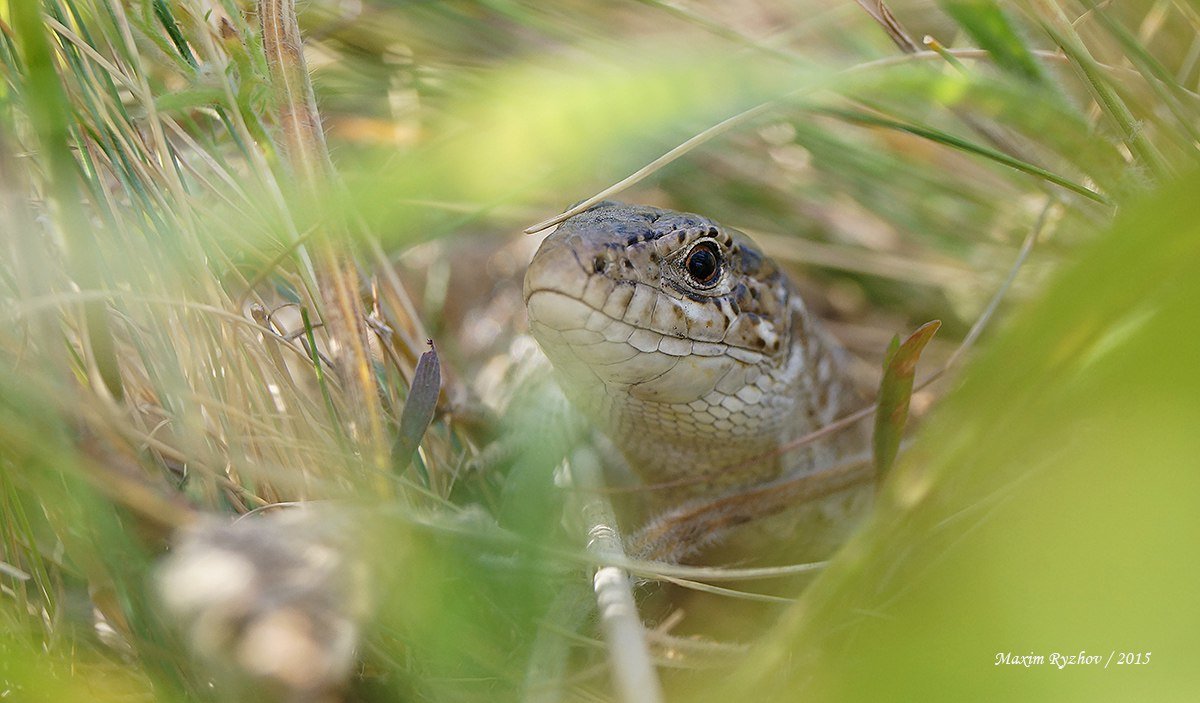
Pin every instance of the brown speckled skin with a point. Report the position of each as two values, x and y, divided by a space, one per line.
695 384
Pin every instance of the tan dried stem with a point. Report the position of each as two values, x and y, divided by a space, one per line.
307 156
632 668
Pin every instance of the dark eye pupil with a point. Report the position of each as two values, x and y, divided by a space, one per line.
702 265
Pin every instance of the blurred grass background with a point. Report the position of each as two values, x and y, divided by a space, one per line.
169 348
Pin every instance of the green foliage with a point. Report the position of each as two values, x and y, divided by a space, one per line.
164 352
991 28
1046 507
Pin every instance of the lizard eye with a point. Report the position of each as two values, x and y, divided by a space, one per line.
704 264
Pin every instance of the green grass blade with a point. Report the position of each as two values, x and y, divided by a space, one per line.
962 144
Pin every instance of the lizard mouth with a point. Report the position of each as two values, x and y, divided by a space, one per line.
574 335
588 343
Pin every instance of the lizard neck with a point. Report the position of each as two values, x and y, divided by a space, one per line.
725 440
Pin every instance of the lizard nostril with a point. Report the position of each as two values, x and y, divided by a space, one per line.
599 264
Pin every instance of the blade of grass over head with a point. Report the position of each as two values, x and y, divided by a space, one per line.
816 83
538 126
725 32
650 168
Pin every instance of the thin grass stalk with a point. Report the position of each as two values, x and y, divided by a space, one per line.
629 657
740 119
308 158
1055 23
49 114
969 147
1158 78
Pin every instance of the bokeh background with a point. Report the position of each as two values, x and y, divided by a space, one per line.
171 338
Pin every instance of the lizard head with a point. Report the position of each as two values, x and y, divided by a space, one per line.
665 307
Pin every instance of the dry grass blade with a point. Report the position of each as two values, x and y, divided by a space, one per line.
50 112
629 657
308 156
727 592
661 569
164 173
1056 24
880 12
741 118
722 30
1044 220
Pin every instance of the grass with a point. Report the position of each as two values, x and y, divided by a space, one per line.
211 305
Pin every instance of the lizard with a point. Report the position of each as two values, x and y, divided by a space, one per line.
685 345
692 352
